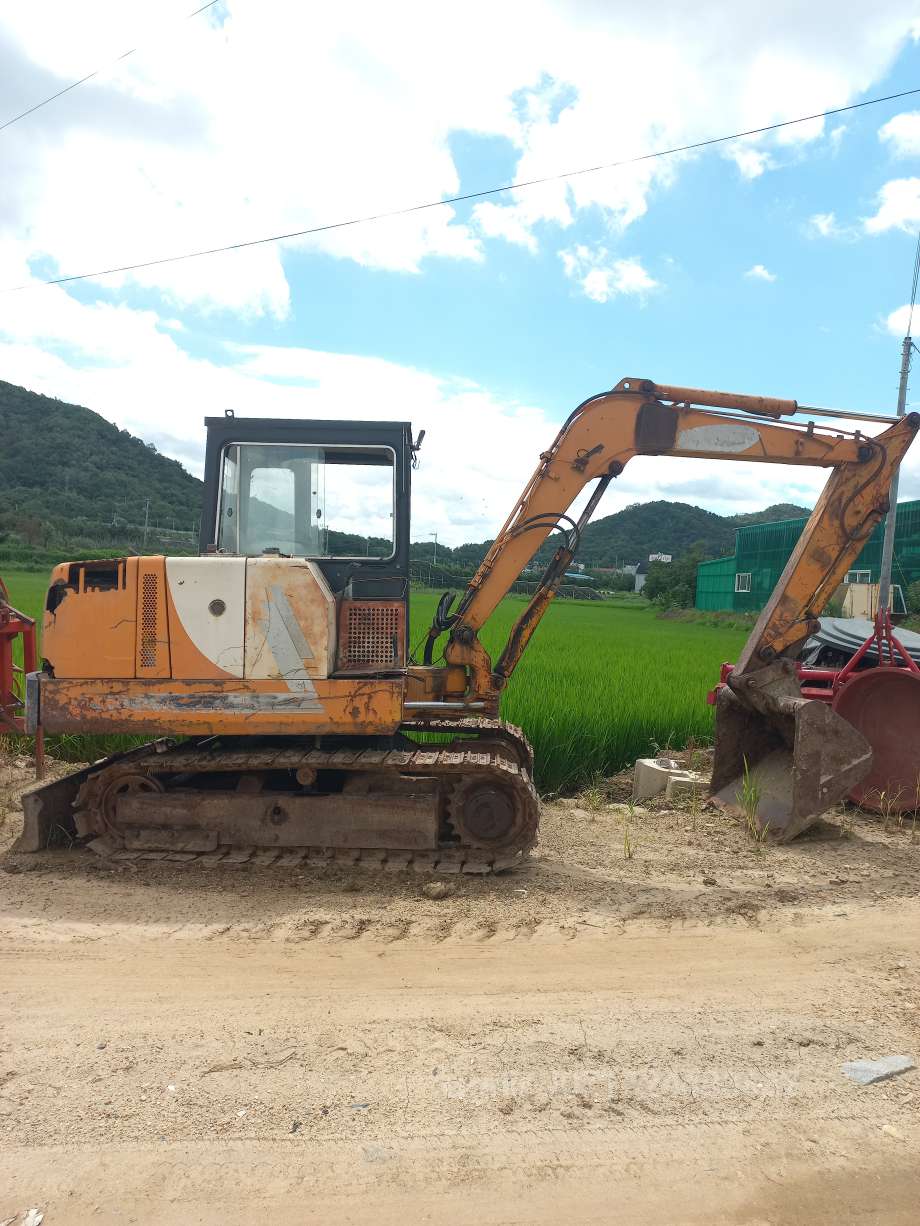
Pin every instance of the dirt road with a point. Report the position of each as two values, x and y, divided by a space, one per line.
593 1040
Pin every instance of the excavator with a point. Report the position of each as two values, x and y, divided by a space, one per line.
286 718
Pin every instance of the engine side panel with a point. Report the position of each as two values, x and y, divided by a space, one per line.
89 627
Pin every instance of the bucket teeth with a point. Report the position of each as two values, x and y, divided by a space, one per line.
802 757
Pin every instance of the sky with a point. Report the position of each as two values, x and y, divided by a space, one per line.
777 265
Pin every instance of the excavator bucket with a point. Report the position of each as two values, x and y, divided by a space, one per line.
782 759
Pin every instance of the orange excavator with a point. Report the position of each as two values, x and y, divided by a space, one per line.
272 674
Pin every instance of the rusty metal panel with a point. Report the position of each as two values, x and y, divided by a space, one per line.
405 820
48 811
656 428
372 634
290 621
250 708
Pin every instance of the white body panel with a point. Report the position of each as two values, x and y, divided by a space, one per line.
197 583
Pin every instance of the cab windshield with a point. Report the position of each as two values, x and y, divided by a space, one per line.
305 501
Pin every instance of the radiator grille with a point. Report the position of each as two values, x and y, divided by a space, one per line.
371 634
148 652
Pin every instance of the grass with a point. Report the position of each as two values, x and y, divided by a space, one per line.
704 617
599 682
27 590
749 801
629 847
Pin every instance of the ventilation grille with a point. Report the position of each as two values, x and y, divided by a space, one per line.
371 634
148 652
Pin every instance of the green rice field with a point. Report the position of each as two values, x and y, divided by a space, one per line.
599 685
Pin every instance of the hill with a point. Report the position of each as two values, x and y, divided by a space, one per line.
72 481
632 534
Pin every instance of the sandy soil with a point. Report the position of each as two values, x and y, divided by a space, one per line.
596 1038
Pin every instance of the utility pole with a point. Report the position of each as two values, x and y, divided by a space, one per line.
435 558
907 348
146 521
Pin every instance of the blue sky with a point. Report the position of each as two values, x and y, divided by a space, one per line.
771 266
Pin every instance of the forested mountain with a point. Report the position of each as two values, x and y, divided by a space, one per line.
69 479
632 534
71 484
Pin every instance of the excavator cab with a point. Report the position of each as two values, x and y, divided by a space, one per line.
335 497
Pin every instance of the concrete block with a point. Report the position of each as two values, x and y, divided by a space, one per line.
685 783
867 1072
651 775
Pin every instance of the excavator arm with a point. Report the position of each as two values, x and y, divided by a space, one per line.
640 418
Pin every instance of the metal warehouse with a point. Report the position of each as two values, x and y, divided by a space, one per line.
744 581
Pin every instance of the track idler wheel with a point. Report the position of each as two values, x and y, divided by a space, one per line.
97 800
492 815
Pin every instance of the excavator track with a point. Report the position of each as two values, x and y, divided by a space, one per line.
509 736
468 805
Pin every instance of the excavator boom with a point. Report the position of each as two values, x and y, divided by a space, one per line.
803 757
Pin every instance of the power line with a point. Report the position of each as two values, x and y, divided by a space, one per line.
95 73
461 199
913 289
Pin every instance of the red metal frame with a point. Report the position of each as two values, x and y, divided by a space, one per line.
14 625
825 683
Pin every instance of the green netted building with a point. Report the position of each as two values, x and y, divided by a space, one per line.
743 582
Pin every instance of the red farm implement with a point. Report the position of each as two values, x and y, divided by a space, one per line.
13 626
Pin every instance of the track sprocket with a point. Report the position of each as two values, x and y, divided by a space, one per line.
493 814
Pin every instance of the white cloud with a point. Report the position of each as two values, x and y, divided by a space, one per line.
824 225
506 223
126 365
267 116
123 364
602 276
902 134
896 323
751 162
898 207
759 273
